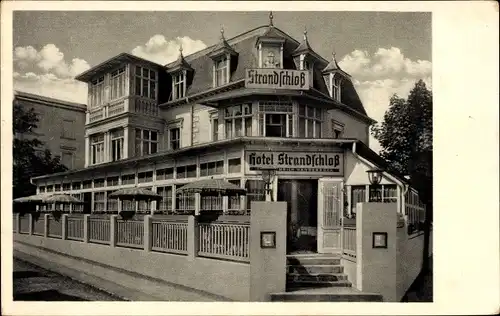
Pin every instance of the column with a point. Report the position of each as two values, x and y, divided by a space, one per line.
87 151
228 70
126 142
46 225
30 217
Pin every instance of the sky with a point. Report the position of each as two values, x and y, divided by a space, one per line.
384 52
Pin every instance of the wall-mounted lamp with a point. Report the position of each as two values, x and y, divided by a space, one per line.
375 176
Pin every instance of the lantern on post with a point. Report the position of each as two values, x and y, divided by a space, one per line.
268 175
375 177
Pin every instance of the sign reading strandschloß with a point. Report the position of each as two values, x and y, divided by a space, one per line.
331 163
277 79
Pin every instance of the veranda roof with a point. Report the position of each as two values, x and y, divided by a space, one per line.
136 194
212 187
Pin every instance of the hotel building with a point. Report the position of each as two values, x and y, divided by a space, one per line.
261 99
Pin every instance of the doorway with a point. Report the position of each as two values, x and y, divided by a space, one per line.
87 203
302 213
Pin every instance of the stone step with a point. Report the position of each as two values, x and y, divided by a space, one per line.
314 269
294 277
324 297
296 285
316 260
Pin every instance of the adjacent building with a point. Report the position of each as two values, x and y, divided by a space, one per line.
260 100
60 126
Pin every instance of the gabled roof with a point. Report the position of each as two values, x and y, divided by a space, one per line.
112 63
20 95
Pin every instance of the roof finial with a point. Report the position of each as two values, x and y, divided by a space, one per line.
180 48
222 31
305 34
271 18
334 55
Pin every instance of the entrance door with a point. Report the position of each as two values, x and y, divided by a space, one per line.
330 201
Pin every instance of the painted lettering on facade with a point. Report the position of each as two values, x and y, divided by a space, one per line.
277 79
296 161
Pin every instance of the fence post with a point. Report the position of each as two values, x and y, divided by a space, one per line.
64 226
30 224
192 237
112 230
18 223
86 225
45 225
148 232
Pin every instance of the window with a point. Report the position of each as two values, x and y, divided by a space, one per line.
128 179
112 203
164 174
117 83
87 184
98 183
215 129
186 172
174 135
276 119
336 88
184 203
97 92
179 86
66 187
97 149
255 192
128 205
57 187
145 82
310 121
112 181
41 189
221 77
50 188
77 207
358 195
67 159
337 129
415 211
145 177
68 129
146 142
76 185
211 203
211 168
238 121
234 165
390 193
117 139
144 206
165 205
234 201
99 201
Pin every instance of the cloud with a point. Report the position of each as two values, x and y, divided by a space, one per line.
46 72
162 51
379 76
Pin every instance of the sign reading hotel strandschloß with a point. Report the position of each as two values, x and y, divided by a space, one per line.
277 79
317 162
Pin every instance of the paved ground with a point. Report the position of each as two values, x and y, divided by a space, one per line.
33 283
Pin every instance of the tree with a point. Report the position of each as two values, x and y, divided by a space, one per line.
406 139
28 162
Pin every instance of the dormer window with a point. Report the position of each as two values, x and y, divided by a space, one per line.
179 84
221 72
145 82
334 76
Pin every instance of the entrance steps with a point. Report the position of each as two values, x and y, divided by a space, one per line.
319 278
